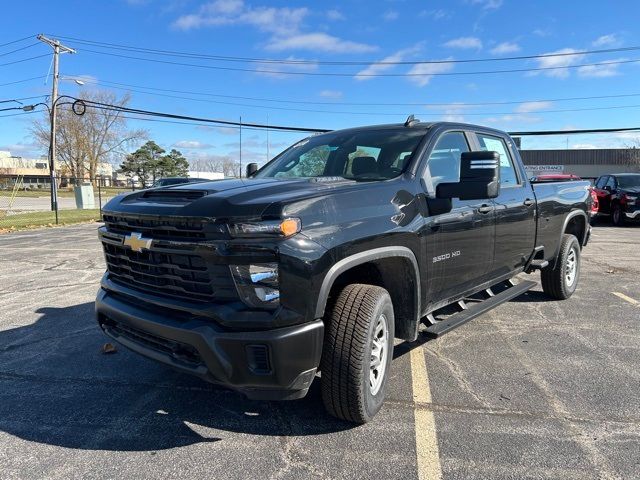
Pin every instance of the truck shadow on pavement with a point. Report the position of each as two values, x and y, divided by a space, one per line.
58 388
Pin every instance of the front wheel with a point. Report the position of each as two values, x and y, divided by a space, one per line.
357 353
617 216
561 281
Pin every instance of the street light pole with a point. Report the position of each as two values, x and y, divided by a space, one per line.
57 49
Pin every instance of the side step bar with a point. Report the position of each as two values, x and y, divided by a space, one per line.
444 326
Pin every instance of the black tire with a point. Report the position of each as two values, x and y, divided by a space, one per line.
347 353
555 281
617 216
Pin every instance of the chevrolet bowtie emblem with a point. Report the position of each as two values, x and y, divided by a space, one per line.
137 242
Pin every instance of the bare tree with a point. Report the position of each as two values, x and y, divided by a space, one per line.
83 142
631 157
215 163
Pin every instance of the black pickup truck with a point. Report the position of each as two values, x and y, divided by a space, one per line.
318 260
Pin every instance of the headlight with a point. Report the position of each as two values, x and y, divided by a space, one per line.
283 228
257 285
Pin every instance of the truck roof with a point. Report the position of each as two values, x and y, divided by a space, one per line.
417 124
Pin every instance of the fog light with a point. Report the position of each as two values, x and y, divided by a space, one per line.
257 285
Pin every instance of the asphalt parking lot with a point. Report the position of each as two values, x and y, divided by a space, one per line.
532 389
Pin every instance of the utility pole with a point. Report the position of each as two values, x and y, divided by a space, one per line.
268 156
240 172
57 49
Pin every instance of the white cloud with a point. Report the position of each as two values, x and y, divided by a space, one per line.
465 43
335 15
390 15
608 69
488 4
504 48
318 42
387 63
192 144
558 63
426 71
610 40
333 94
286 70
541 32
583 146
438 14
281 21
528 107
284 24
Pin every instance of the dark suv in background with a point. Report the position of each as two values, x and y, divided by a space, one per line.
619 197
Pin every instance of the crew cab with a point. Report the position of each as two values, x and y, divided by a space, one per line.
618 197
313 264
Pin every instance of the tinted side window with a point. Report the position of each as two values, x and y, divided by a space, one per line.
443 165
611 182
601 182
496 144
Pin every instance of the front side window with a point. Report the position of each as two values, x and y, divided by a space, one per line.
443 165
364 155
601 182
629 181
611 183
490 143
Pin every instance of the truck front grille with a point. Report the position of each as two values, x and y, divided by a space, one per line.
166 229
176 271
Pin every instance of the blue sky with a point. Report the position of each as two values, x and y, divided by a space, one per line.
360 31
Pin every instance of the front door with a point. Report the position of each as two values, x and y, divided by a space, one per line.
459 249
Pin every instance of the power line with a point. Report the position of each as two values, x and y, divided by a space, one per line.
394 114
17 41
396 104
107 106
255 126
23 60
174 53
367 75
19 49
23 80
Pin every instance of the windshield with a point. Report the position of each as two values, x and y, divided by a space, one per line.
360 155
629 181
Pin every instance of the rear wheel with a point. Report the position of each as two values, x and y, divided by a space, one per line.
561 281
617 216
357 353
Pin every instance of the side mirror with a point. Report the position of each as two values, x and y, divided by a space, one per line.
251 169
479 178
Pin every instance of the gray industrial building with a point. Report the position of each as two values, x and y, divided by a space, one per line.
586 163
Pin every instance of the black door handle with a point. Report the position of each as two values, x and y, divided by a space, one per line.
528 202
485 209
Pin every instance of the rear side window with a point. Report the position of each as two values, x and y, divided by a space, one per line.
443 165
496 144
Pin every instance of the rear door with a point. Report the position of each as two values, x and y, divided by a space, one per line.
460 242
515 222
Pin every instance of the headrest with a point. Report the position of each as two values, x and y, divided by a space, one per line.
364 166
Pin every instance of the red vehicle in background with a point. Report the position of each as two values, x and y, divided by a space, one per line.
567 177
619 197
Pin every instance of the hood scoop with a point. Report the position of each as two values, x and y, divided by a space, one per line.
172 196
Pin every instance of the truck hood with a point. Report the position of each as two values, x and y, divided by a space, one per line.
227 198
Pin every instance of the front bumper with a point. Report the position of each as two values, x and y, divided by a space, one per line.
276 364
633 215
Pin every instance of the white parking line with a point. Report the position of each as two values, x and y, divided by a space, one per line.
428 455
632 301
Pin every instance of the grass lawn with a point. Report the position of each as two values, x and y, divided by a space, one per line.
63 192
25 221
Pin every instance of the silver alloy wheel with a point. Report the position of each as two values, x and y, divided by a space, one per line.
379 352
571 267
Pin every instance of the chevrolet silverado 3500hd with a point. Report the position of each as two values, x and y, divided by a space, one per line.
319 259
